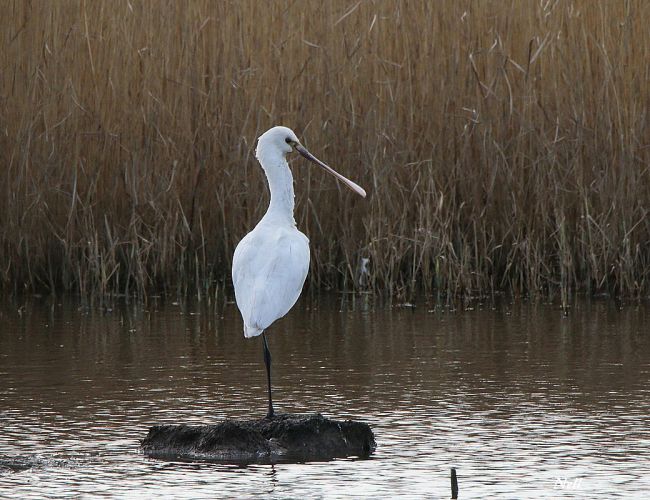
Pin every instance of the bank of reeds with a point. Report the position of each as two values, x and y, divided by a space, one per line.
504 145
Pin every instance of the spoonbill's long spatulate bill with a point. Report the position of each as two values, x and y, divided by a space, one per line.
352 185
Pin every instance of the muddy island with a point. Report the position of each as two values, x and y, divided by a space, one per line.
283 438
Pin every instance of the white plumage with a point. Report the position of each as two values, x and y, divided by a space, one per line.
269 269
271 262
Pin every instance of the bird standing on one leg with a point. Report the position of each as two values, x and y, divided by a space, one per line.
271 262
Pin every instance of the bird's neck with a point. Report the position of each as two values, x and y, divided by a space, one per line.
280 181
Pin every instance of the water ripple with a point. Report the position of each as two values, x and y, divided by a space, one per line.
523 402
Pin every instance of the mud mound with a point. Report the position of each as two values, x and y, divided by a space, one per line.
283 438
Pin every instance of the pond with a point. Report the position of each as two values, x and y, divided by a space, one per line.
522 400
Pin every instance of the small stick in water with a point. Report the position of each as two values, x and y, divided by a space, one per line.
454 485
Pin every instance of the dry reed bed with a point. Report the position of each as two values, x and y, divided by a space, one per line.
505 145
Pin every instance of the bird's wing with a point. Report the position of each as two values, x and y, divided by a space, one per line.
268 272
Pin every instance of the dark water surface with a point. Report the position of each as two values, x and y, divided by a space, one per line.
524 402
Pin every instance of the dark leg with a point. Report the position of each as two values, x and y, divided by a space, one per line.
267 362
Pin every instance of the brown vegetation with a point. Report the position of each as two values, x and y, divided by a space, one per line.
505 145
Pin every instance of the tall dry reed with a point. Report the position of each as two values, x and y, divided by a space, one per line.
505 145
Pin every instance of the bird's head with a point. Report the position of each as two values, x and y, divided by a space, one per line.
283 140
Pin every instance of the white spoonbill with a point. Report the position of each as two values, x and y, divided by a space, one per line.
271 262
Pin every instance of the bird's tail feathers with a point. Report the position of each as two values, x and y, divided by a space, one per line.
252 331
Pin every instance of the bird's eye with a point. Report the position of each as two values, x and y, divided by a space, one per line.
288 140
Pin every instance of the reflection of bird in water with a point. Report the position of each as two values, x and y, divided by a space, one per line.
273 473
271 262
